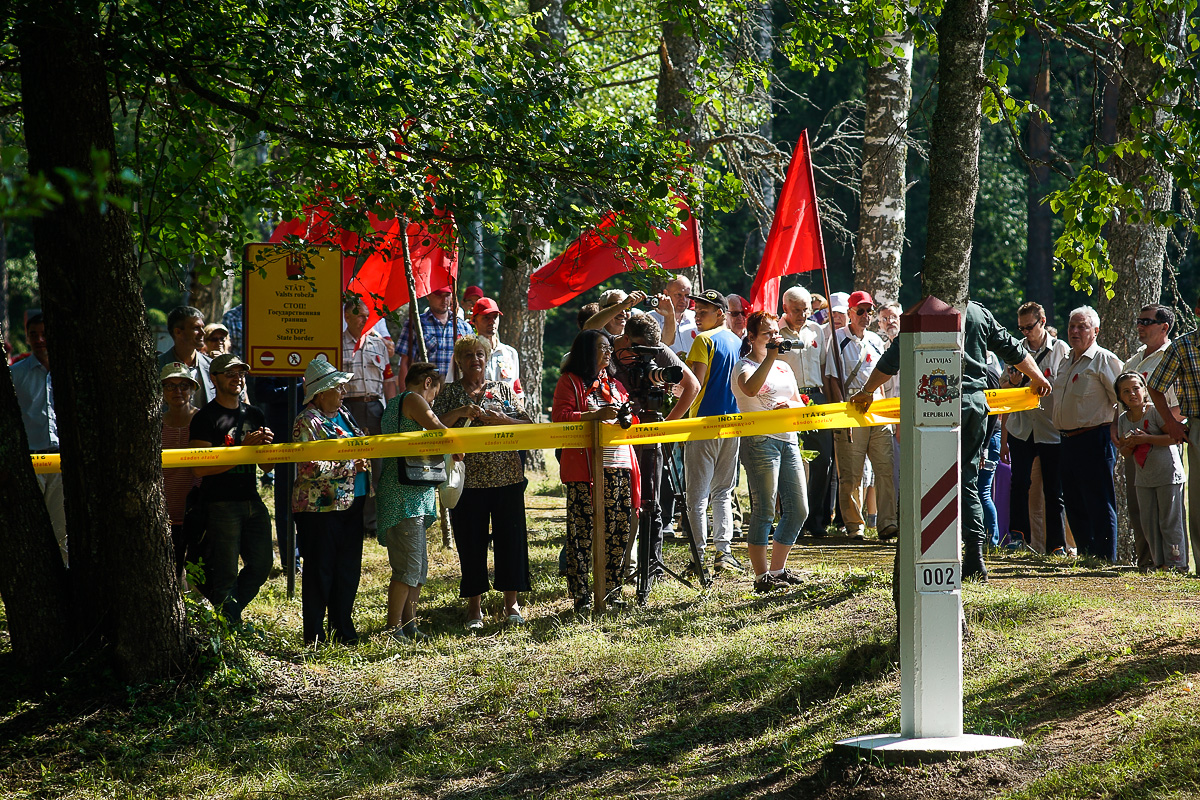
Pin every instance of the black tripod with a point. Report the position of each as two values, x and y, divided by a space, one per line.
649 531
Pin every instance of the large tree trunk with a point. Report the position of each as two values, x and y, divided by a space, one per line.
954 150
33 581
107 403
522 328
1039 252
1138 248
679 53
885 156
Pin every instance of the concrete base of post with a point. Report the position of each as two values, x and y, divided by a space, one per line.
892 747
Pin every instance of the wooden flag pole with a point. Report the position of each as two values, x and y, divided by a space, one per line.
598 532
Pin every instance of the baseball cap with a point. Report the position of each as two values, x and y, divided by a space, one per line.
712 297
225 362
485 305
477 291
858 298
838 302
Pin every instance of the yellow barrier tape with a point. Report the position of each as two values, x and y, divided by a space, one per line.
555 435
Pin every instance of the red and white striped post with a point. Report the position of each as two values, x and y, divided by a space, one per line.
930 554
930 559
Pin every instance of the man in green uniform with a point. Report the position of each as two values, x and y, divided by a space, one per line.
981 334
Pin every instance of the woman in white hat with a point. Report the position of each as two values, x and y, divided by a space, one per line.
327 502
178 386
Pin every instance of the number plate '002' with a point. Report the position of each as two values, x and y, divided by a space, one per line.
939 576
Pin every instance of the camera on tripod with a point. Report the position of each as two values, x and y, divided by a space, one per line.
786 346
648 383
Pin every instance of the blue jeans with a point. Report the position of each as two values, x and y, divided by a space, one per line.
774 469
991 456
236 528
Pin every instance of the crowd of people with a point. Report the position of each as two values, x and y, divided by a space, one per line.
682 353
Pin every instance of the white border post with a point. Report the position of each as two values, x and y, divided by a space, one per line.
930 559
930 555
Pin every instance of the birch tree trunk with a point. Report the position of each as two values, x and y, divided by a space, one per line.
885 156
954 150
1039 247
679 54
761 21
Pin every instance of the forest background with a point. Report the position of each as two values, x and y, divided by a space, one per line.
830 103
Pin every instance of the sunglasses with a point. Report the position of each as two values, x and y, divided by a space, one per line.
1144 322
1028 328
177 386
737 313
862 312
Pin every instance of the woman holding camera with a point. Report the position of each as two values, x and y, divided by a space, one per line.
774 468
494 489
584 393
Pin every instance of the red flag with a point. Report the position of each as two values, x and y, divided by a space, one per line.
380 280
794 244
596 256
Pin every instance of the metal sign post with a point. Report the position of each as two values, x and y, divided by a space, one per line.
930 560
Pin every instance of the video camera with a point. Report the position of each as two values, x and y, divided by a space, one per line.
648 383
786 346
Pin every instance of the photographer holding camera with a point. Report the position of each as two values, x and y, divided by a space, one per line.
774 468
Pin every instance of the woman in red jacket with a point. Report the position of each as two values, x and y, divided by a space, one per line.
586 392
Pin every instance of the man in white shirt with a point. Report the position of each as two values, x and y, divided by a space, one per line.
807 360
1154 322
503 364
860 350
1083 410
366 393
1030 435
678 330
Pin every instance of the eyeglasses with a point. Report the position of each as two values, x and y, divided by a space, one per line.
605 348
1144 322
1028 328
177 386
232 374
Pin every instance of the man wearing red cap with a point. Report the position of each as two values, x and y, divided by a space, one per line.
471 296
860 350
504 364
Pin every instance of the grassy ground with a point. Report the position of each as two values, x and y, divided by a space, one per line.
720 694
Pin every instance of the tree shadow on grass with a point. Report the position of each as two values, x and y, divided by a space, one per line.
707 714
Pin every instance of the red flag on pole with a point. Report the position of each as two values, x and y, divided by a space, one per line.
596 256
380 280
794 244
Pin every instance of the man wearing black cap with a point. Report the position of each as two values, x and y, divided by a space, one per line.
710 466
238 524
